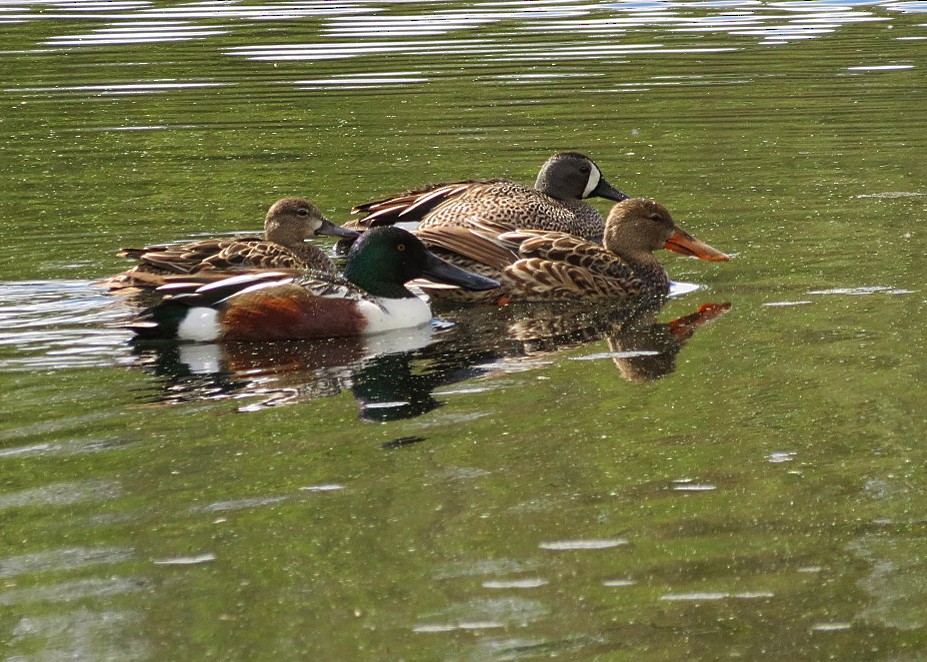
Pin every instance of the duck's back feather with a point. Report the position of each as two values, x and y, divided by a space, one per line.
414 204
554 265
482 247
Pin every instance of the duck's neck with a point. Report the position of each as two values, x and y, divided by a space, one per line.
366 277
314 258
648 268
280 235
587 222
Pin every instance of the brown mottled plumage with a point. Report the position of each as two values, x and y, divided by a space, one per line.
289 222
555 202
538 265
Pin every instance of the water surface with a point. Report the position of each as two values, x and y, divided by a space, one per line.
738 474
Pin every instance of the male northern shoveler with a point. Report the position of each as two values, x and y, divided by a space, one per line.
371 297
289 222
534 265
555 203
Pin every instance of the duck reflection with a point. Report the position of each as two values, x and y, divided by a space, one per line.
395 376
276 373
646 350
642 348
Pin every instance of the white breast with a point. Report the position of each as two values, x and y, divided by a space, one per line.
200 324
388 314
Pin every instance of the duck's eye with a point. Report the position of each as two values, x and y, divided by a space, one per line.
584 169
655 217
400 247
302 211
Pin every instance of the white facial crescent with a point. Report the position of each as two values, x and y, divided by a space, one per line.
594 177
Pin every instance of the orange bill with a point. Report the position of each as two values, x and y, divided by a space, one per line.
684 327
683 242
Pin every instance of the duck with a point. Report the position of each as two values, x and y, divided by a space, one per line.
556 202
538 265
287 225
370 298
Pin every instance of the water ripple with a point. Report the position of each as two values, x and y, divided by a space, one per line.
72 558
60 324
359 81
113 89
584 544
505 34
61 494
137 33
336 51
708 596
70 591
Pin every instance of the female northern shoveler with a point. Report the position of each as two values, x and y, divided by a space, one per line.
289 222
534 265
555 203
371 297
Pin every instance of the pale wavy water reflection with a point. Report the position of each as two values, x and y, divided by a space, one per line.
542 494
61 325
349 30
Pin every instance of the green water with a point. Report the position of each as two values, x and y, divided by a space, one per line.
472 492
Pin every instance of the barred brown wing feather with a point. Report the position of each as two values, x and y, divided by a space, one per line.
494 227
542 280
184 258
180 259
137 253
465 241
329 286
387 211
191 259
412 205
406 196
572 250
259 254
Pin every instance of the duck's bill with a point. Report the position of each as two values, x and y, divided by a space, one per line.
683 242
330 229
440 271
685 327
605 190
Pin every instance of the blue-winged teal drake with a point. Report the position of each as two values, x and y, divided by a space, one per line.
557 201
371 298
537 265
287 226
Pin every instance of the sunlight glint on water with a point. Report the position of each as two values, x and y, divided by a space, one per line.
521 483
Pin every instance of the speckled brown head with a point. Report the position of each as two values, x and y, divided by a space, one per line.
637 227
291 221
